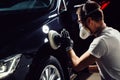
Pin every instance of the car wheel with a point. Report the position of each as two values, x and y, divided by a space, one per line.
47 69
52 70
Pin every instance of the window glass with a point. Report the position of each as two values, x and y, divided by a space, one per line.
6 5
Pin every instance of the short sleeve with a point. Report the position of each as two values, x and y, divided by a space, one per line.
98 48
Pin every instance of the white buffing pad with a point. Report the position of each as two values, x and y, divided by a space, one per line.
51 35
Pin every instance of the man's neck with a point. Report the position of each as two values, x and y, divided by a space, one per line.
101 27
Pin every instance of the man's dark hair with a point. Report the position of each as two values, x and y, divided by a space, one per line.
90 9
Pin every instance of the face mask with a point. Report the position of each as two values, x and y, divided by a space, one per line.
84 32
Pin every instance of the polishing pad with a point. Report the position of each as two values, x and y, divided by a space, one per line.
52 35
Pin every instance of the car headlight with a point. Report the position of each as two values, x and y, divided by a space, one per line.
8 65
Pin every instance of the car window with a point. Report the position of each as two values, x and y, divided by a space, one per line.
6 5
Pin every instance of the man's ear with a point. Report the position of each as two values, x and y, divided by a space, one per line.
89 21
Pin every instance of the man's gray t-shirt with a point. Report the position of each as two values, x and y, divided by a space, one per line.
106 48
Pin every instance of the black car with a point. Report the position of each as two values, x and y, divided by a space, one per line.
25 52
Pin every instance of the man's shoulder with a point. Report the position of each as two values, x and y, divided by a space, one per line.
110 32
97 40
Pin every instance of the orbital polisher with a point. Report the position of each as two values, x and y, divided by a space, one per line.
54 39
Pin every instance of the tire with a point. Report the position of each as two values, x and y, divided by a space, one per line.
48 68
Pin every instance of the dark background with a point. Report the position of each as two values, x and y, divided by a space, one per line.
112 14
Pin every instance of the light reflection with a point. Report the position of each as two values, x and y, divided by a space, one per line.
45 40
45 29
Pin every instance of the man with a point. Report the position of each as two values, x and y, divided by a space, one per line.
105 48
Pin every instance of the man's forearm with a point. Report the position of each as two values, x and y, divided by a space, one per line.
74 58
79 63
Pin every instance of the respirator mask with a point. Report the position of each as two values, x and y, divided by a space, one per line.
84 32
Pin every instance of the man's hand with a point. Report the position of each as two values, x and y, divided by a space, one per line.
66 41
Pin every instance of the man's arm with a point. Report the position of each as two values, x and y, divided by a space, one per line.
79 63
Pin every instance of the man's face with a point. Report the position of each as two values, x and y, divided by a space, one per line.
84 31
84 24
